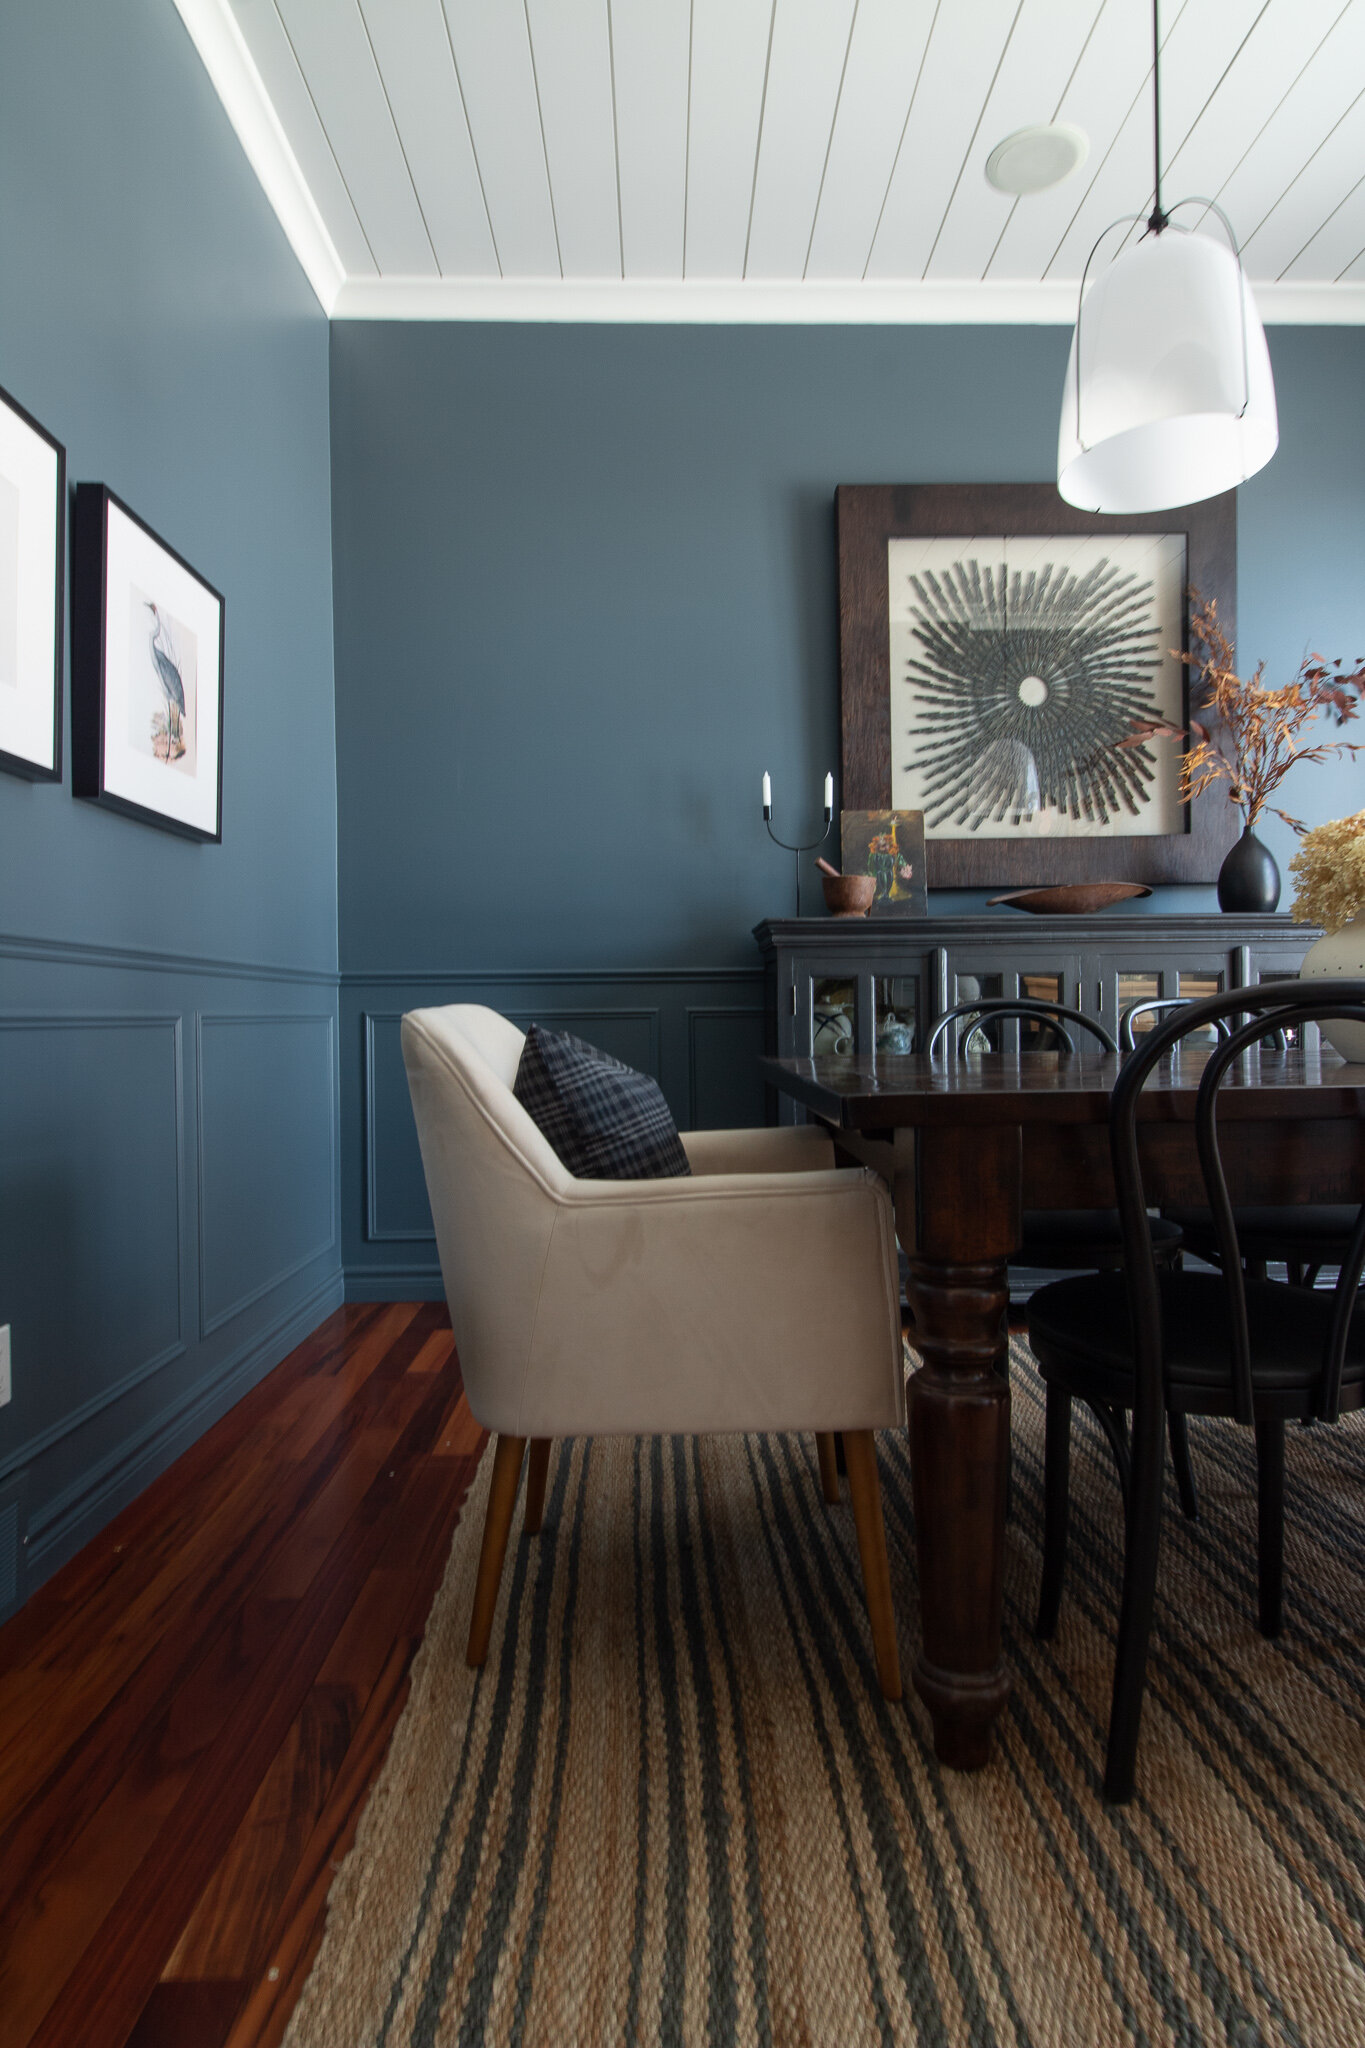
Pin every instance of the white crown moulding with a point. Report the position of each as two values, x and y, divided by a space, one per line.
214 32
1003 302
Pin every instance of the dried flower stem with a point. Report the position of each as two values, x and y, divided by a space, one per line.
1254 736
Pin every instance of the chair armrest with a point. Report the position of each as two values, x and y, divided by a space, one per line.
790 1148
741 1301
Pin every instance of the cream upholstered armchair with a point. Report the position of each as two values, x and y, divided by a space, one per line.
758 1294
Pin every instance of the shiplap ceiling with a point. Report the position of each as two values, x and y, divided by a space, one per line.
781 159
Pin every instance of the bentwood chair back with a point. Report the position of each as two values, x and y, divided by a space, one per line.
758 1294
1156 1342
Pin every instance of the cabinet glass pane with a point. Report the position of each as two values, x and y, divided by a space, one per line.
1140 988
895 999
1196 987
833 1007
1041 988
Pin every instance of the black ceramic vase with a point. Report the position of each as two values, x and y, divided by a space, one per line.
1249 878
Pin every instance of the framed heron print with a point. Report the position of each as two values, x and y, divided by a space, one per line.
146 673
1001 657
32 545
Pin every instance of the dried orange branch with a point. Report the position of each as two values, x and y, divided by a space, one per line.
1254 736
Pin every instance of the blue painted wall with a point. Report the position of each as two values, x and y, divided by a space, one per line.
585 595
168 1062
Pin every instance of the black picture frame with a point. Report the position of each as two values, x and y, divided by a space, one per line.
108 768
867 517
48 520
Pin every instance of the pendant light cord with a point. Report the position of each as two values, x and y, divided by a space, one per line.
1159 218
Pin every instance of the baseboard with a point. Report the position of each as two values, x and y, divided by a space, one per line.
69 1521
395 1283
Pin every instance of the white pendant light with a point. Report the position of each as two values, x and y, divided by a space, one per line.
1169 396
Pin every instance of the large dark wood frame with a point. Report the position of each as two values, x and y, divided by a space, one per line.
966 1147
867 517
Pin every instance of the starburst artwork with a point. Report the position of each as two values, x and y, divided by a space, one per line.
1019 671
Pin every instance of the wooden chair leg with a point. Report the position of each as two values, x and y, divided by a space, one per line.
860 1454
827 1452
1056 1507
537 1465
1178 1431
1270 1522
502 1495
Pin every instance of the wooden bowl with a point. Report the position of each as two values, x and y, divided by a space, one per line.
848 895
1072 899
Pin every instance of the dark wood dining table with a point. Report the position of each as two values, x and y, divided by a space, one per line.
966 1146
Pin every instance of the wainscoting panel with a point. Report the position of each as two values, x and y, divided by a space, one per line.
169 1224
698 1032
267 1160
725 1083
91 1214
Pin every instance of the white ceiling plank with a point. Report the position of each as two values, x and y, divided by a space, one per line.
805 74
1283 42
571 50
1314 104
418 73
1111 74
884 59
1200 45
1044 51
493 60
1321 193
964 52
650 42
1334 248
272 54
333 48
729 67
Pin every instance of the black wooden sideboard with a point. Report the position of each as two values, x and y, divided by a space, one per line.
860 984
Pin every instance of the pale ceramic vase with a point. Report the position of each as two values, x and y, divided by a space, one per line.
1340 956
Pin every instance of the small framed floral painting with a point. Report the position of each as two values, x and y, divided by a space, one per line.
32 546
889 845
146 674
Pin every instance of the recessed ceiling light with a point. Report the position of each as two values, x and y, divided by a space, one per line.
1033 158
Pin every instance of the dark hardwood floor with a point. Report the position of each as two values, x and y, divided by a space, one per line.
193 1710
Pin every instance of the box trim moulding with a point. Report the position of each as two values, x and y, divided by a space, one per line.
208 1324
57 1020
709 1011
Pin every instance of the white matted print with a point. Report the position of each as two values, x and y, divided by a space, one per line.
1020 667
147 673
32 533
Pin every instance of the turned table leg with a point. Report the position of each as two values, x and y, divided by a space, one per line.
968 1185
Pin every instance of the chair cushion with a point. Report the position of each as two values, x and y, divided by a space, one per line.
604 1120
1046 1229
1080 1328
1316 1232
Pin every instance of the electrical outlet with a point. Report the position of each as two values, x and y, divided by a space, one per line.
4 1364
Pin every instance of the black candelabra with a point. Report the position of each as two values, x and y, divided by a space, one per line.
811 845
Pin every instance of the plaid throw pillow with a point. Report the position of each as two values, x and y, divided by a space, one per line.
604 1120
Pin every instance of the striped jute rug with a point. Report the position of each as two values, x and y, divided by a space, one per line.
675 1808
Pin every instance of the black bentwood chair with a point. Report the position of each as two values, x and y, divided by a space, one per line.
1160 1343
1306 1238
